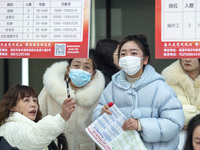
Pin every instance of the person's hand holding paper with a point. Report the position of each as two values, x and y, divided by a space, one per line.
106 107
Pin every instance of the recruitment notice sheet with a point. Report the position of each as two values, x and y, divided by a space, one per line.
107 132
44 29
177 29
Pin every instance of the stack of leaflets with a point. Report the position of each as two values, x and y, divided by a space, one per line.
107 132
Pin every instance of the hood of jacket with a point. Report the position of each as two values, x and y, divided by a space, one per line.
175 75
55 85
149 75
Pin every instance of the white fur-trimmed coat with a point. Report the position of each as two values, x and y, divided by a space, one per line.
54 93
25 134
187 90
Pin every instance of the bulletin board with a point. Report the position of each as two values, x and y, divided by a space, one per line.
177 29
44 29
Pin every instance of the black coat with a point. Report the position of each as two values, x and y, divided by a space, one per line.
4 145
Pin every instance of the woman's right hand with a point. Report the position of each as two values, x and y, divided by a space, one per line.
68 107
105 109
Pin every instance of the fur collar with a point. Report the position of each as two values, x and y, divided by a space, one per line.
17 117
175 75
55 85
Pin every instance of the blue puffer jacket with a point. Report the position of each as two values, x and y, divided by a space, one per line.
150 100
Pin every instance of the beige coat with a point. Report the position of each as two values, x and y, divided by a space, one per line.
54 93
187 90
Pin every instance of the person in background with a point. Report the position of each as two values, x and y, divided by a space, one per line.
21 122
116 59
106 58
183 76
144 97
193 134
109 48
104 64
86 84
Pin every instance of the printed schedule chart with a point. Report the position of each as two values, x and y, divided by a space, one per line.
107 132
41 20
180 20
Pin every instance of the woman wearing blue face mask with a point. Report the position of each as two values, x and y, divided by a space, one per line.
86 84
143 96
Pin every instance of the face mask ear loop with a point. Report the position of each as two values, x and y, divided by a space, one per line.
92 73
142 58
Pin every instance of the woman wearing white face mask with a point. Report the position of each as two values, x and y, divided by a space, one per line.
143 96
86 84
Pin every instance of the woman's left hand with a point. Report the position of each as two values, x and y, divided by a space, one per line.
130 124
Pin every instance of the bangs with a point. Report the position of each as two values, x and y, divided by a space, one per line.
26 91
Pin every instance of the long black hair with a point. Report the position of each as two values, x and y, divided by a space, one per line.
194 122
61 145
107 47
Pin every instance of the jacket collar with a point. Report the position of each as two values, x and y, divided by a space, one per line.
175 75
149 75
55 85
17 117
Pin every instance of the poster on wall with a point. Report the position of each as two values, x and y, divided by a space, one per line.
44 29
177 29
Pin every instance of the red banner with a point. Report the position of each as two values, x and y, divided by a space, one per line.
177 29
47 29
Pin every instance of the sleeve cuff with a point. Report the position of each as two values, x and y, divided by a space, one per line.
60 118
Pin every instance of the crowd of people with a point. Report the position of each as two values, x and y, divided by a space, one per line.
162 108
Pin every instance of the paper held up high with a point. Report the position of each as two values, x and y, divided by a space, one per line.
107 132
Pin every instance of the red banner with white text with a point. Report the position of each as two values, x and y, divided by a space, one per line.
44 29
177 29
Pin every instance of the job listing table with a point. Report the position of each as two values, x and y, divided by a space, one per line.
180 20
51 20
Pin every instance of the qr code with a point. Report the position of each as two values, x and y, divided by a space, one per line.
60 49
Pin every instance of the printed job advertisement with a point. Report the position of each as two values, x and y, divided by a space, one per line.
47 20
44 29
177 29
180 20
107 132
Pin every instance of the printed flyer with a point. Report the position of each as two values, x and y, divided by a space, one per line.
107 132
